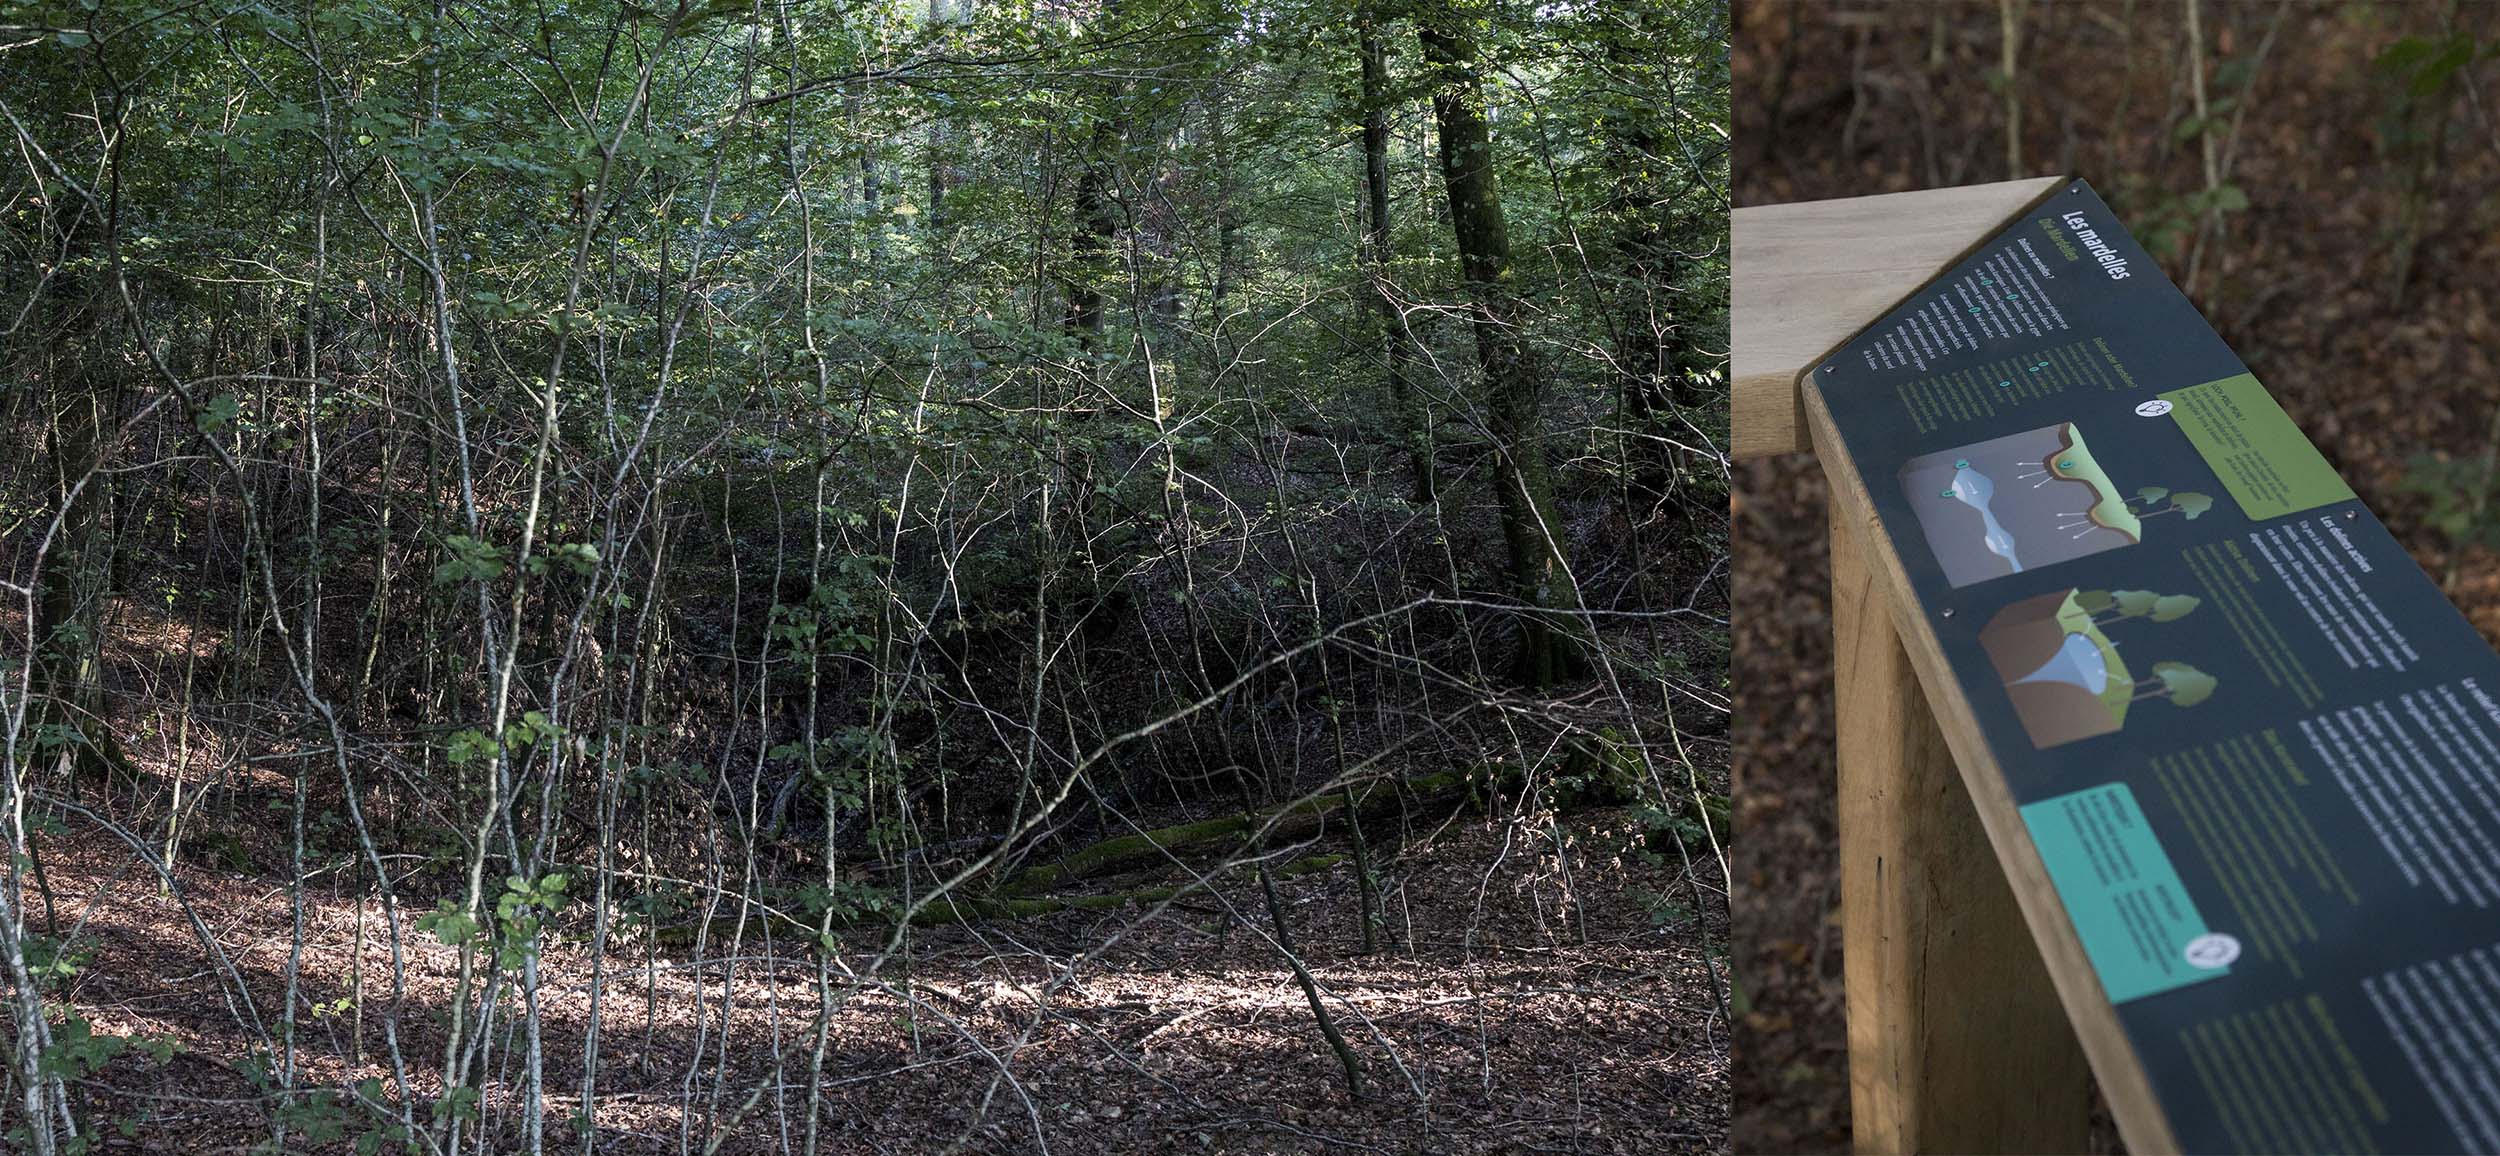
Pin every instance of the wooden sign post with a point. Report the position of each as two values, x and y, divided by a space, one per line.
1956 1039
2065 517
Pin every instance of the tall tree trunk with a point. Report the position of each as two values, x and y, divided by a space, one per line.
66 630
1550 643
941 14
1657 363
1378 249
83 397
1090 243
1227 213
1097 217
871 227
1091 259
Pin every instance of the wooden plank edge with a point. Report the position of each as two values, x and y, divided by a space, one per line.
1766 415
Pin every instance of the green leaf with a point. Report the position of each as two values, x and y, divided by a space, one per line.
2406 55
468 744
216 412
470 559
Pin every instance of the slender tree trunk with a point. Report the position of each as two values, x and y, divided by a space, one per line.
1090 243
941 14
1088 269
1379 246
1550 645
1654 354
83 397
1346 1058
66 627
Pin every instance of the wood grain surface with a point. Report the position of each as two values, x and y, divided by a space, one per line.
1808 276
1957 1041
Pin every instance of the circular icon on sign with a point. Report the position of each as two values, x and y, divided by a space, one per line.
2153 408
2212 950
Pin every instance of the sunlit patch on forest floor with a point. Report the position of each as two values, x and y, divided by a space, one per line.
1504 1025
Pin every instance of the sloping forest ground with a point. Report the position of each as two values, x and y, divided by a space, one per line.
2341 243
1486 1027
939 576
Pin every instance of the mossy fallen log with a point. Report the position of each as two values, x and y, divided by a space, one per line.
1028 906
967 908
1029 893
1102 857
1124 851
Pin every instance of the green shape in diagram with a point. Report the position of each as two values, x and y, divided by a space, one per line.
2109 508
2064 677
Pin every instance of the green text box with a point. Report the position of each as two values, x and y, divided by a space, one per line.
2252 445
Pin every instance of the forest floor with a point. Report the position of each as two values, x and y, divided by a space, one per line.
1485 1023
1842 100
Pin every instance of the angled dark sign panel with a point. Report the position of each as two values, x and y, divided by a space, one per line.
2256 748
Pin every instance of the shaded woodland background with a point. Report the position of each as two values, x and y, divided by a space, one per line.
887 577
2316 176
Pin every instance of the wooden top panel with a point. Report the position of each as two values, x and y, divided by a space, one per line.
1809 275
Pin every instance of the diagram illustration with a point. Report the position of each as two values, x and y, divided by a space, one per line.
2063 673
2026 500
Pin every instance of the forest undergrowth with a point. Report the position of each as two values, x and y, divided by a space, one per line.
951 576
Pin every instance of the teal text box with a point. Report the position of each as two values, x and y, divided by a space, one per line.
2125 899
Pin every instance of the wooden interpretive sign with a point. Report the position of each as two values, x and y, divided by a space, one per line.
2239 758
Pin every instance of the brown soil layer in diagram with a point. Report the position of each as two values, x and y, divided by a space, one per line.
2065 680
